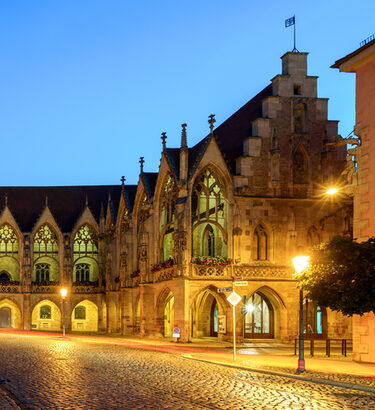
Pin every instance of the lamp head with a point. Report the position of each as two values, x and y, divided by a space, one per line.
332 191
300 263
63 292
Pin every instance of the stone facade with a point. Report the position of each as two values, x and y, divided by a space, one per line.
236 206
361 184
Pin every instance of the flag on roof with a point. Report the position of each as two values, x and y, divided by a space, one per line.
290 22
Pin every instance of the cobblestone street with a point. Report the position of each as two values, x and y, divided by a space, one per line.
51 373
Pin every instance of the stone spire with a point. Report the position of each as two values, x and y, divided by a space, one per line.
164 139
6 199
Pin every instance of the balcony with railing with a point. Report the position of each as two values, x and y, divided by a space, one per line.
10 286
86 286
209 267
45 286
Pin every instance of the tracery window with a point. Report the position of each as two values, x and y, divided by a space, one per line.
125 220
80 313
315 320
260 244
144 212
8 241
45 243
82 272
167 211
42 272
209 212
85 243
45 312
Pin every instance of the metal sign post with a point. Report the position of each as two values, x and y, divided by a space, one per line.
234 299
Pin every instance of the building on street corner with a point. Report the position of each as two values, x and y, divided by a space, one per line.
144 259
362 180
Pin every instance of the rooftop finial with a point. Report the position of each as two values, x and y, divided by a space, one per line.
123 179
164 138
46 200
6 199
87 200
183 136
211 121
141 161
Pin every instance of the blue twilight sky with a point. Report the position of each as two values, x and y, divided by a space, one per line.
86 87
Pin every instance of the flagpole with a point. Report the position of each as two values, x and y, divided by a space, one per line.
294 49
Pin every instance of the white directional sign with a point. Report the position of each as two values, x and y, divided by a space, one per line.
234 298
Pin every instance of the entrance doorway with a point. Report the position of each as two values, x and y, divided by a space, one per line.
259 318
5 317
213 321
169 316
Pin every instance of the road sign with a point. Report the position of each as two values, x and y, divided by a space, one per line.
240 283
234 298
222 290
176 332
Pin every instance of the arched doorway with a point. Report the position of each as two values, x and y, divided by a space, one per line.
315 320
46 315
169 316
205 311
258 317
5 317
213 318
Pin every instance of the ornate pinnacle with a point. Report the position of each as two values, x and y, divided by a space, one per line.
183 136
123 179
141 161
164 138
211 121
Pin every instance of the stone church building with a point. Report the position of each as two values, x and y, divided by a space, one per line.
147 258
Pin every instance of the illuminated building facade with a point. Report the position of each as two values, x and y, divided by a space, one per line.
147 258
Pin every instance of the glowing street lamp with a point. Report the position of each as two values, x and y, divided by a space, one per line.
63 292
301 263
332 191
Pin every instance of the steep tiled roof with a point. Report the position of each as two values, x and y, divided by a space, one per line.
173 157
65 202
232 132
149 179
130 192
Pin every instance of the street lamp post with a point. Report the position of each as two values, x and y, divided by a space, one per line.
63 292
300 263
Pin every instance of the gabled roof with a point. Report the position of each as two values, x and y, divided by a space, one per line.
338 63
173 158
66 203
149 181
130 192
231 134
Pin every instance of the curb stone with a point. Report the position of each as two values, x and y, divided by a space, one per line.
291 376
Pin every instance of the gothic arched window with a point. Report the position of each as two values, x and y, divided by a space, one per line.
209 215
80 313
125 220
260 244
45 243
8 241
167 211
42 272
45 312
85 243
82 272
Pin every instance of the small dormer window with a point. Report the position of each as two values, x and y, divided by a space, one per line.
297 89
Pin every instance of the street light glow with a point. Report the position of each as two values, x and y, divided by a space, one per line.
332 191
63 292
300 263
249 308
